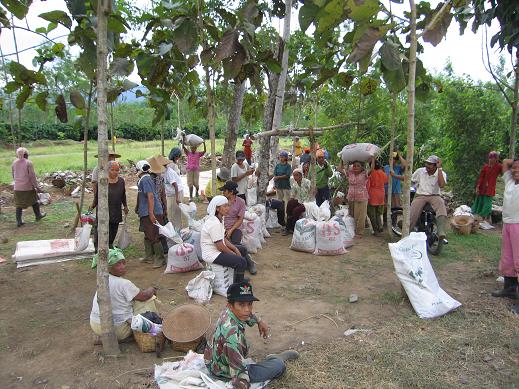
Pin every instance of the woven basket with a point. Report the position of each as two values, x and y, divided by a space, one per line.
463 224
147 342
186 326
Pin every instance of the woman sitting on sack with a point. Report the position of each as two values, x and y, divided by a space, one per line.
216 248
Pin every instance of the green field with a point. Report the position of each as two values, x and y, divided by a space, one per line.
50 156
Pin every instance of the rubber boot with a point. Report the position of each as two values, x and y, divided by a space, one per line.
148 251
165 248
509 289
514 308
19 221
442 224
238 276
37 212
158 255
251 265
288 355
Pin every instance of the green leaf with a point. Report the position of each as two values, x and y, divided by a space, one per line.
116 24
368 86
78 122
164 48
307 15
394 79
345 79
390 56
422 91
273 65
77 99
57 48
112 94
41 100
362 10
437 28
121 67
61 109
12 86
365 40
23 96
41 30
233 65
3 19
185 36
228 17
87 63
57 16
18 8
128 85
228 45
206 56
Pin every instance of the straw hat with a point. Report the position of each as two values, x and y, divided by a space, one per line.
186 323
163 160
111 153
155 166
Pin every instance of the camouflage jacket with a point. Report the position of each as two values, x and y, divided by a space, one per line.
227 350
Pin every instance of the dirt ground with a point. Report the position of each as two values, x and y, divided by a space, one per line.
46 341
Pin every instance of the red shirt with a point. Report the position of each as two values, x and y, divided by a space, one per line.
376 182
247 147
486 183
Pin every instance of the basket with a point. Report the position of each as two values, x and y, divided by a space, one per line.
463 224
186 326
147 342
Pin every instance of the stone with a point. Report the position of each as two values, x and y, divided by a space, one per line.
353 298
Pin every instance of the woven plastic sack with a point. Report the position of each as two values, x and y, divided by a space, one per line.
182 258
304 236
329 239
358 152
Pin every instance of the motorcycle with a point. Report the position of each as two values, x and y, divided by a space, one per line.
426 223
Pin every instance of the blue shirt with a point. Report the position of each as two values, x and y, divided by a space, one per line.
397 186
145 186
282 169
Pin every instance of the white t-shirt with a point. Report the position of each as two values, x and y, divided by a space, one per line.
510 199
237 171
426 184
122 293
212 231
171 176
95 174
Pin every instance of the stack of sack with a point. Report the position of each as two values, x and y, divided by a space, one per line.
320 234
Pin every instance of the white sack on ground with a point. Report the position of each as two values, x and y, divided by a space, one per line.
272 221
329 238
347 231
82 237
223 278
303 238
416 274
192 237
252 234
182 258
199 288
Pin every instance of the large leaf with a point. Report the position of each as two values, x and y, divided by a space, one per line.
41 100
307 15
345 79
121 67
394 79
365 41
87 62
164 48
3 19
61 109
23 96
233 65
128 85
185 36
112 94
228 45
18 8
12 86
390 55
57 16
117 24
273 65
206 56
368 85
362 10
329 16
437 27
77 99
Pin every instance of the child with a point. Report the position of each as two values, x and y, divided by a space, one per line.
376 180
247 149
282 173
193 168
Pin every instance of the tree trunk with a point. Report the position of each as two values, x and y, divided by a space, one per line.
112 134
233 124
410 121
211 123
513 128
390 180
17 60
13 135
85 147
162 136
110 345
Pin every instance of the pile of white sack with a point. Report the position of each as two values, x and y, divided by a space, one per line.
320 234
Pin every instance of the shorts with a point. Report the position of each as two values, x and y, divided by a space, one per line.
192 178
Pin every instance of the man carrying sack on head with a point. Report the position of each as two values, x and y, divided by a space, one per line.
226 351
127 299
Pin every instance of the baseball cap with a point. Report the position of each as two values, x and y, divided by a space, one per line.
230 186
240 291
283 154
432 159
142 166
240 155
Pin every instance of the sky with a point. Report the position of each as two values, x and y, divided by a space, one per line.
464 52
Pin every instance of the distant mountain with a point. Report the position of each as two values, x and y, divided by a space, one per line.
130 97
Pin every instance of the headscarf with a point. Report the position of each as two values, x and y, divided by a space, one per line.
114 255
319 153
298 170
142 166
493 154
113 163
20 152
216 202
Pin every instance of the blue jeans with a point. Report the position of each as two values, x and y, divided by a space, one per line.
322 195
266 370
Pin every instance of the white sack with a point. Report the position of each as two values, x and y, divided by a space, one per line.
329 238
311 210
347 230
416 274
199 288
189 211
82 237
358 152
123 239
192 237
252 234
324 211
304 236
182 258
168 231
272 221
193 140
44 198
223 278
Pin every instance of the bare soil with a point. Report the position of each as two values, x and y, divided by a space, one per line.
46 341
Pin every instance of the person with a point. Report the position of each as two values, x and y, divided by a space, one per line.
193 168
298 148
150 212
116 203
216 248
247 148
174 190
174 156
300 193
240 173
397 175
323 172
26 187
233 221
306 158
509 262
429 181
486 187
126 298
357 195
222 176
226 351
282 173
112 156
376 181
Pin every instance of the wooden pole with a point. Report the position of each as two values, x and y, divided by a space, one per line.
85 146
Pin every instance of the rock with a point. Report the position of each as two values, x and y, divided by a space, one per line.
487 358
276 265
4 240
353 298
66 225
464 380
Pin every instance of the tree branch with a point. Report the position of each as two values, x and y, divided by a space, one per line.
303 131
34 32
32 47
488 67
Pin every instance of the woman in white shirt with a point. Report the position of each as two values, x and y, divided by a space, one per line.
215 247
173 186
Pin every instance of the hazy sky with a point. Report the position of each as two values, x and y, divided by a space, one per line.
463 51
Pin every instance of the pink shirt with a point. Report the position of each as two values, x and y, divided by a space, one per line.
23 175
193 160
357 186
236 210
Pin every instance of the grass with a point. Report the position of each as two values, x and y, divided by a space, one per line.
50 156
